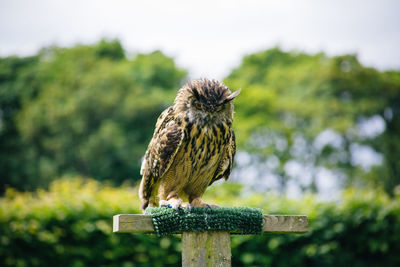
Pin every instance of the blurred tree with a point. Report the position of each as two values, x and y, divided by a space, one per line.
111 49
310 111
90 110
15 73
85 110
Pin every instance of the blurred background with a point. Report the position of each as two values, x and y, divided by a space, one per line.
317 124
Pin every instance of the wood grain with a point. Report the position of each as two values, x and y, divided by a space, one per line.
210 248
285 224
138 223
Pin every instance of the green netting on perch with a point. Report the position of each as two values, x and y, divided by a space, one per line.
239 220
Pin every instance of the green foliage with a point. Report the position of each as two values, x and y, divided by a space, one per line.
83 110
90 110
71 225
110 49
14 74
290 98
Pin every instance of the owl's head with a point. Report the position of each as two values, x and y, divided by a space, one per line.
205 100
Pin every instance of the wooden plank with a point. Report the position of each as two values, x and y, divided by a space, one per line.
285 224
134 223
138 223
210 248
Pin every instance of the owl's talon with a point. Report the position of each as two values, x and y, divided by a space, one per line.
175 203
197 202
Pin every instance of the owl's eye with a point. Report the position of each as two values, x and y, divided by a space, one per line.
197 105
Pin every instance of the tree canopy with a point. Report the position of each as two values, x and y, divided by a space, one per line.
312 111
91 110
83 110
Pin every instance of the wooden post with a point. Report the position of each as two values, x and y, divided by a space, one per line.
210 248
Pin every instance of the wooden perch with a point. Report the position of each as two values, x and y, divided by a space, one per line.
209 248
138 223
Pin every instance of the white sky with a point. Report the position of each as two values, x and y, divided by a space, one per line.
208 37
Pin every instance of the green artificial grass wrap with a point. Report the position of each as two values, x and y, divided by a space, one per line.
239 220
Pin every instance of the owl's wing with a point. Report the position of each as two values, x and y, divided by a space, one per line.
160 153
225 165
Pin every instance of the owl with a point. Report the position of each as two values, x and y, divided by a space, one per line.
192 147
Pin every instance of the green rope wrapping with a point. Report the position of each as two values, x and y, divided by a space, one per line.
239 220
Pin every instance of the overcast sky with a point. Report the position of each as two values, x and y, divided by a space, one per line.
208 37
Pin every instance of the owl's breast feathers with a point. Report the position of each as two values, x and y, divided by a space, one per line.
203 146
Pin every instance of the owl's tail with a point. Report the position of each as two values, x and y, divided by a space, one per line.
144 205
143 195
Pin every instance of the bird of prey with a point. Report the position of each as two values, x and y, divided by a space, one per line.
193 146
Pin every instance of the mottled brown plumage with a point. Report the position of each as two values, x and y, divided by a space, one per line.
193 146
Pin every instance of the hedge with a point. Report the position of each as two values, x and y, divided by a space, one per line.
71 225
